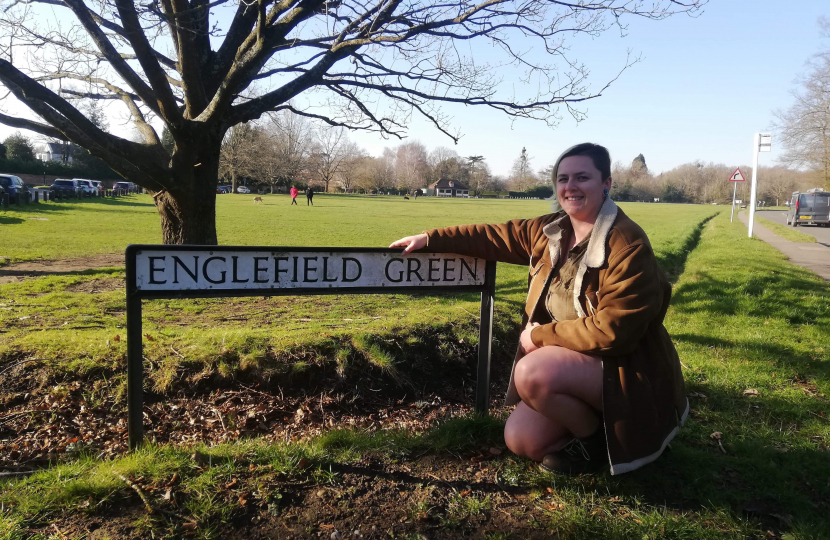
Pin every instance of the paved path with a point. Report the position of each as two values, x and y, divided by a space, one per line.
822 234
815 257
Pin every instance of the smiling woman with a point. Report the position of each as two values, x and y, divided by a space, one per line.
596 377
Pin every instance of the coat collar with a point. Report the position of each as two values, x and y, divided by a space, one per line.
595 254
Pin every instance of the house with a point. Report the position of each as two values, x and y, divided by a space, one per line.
54 152
448 188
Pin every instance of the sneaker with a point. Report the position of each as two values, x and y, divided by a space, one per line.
579 455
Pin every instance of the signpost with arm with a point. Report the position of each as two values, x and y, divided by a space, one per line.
736 177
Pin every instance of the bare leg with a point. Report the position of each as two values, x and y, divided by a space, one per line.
528 433
564 386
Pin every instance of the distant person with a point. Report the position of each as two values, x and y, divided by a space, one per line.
309 196
416 193
294 191
596 378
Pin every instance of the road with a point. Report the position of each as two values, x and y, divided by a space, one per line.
822 234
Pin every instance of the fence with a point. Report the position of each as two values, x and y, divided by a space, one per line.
35 195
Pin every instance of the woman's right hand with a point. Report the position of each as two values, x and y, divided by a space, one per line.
411 243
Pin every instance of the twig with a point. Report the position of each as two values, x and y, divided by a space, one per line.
256 391
180 355
18 473
819 416
140 492
148 506
59 531
219 415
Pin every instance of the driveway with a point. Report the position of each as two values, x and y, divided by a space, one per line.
822 234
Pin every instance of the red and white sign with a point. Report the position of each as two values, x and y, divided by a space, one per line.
737 176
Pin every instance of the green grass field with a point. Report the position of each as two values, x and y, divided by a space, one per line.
788 233
752 330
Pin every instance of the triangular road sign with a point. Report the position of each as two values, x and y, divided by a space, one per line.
737 176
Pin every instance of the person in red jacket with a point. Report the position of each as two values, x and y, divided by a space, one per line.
294 191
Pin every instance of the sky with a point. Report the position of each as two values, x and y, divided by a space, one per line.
702 88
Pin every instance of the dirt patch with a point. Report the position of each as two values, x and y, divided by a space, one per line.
423 498
32 269
97 285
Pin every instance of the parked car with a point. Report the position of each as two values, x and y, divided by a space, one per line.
14 186
86 186
242 189
809 207
128 186
226 189
63 186
98 185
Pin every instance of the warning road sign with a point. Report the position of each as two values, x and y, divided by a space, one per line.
737 176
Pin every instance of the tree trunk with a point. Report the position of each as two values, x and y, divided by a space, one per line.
233 181
188 213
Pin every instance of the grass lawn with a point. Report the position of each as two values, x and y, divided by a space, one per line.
788 233
377 390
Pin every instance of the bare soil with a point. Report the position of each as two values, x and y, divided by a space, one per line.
31 269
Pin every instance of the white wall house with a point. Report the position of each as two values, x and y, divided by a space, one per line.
53 152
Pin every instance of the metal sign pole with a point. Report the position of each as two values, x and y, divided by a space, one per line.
754 188
485 339
135 360
734 191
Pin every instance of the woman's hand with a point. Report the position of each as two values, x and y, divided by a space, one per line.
411 243
525 342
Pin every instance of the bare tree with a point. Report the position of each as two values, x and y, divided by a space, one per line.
169 62
291 136
327 156
239 156
521 175
805 126
411 165
350 168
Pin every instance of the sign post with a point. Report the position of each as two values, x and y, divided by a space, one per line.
736 177
177 271
761 142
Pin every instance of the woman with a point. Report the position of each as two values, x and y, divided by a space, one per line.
596 378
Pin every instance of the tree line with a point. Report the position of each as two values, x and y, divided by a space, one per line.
287 149
700 182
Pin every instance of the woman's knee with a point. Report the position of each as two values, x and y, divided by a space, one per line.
538 372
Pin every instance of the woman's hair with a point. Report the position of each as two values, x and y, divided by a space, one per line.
599 156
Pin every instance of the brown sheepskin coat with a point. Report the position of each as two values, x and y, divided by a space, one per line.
621 296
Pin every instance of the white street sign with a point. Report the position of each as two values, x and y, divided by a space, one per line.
229 269
766 142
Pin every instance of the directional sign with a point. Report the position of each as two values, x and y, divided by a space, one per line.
737 176
765 142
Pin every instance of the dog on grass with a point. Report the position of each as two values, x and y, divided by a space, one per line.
258 199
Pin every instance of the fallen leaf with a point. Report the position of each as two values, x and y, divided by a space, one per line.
232 484
117 338
189 526
465 492
495 451
303 464
716 435
172 480
149 337
751 392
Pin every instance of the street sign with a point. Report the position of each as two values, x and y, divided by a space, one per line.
176 271
766 142
737 176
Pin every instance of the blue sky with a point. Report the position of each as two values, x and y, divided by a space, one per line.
703 87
